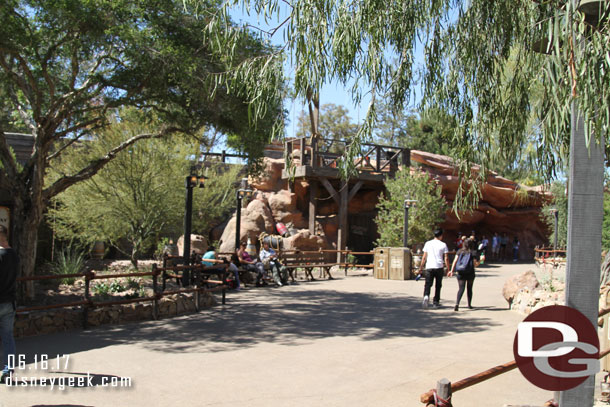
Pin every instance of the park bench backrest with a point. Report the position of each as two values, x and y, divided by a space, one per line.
292 258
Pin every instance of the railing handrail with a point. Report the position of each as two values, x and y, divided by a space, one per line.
428 397
88 303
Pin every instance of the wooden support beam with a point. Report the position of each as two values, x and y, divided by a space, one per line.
314 148
330 190
354 190
342 235
313 201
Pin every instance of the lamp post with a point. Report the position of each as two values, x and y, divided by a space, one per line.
555 213
191 182
405 233
243 191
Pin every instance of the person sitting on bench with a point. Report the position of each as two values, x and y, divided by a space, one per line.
211 255
251 265
268 257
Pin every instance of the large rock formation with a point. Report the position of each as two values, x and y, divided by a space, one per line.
504 207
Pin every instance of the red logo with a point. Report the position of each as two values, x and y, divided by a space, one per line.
556 348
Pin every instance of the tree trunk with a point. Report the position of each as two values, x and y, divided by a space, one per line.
135 253
29 207
27 217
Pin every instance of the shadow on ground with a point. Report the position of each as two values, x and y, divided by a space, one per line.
288 316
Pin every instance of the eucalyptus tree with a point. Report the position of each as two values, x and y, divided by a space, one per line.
334 122
67 66
478 67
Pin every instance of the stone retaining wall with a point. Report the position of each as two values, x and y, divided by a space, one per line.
65 319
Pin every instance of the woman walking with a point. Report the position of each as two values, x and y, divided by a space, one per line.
466 259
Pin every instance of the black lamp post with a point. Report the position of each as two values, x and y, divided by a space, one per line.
555 213
243 191
405 234
191 182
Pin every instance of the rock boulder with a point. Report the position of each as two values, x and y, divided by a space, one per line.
516 283
305 241
199 244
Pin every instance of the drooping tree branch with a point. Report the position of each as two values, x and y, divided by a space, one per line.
93 167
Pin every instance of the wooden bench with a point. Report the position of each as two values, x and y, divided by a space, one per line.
199 275
307 260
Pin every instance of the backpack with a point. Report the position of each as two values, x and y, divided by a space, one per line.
464 263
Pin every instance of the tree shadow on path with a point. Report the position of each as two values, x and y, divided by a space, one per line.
284 316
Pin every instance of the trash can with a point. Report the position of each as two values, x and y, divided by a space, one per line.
382 260
400 263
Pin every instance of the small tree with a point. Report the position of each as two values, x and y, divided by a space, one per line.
560 202
139 195
428 212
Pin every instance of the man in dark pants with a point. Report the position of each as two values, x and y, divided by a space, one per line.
9 263
434 259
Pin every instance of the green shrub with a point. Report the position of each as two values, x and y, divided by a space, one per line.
70 260
116 287
101 289
132 284
423 218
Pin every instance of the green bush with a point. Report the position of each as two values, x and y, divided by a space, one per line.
101 289
70 260
116 287
560 202
423 218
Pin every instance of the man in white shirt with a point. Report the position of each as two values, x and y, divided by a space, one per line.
268 257
435 257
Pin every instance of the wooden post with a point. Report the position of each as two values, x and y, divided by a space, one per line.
313 194
224 283
302 150
87 298
406 157
443 389
155 276
342 236
378 158
314 147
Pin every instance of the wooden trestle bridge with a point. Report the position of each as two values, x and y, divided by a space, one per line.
317 161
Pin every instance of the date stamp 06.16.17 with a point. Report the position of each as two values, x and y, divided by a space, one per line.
53 372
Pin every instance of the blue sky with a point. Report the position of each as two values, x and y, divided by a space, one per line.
330 93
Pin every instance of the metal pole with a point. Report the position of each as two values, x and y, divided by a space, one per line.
585 213
188 212
555 241
405 230
238 221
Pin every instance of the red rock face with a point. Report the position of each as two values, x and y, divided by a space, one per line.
504 207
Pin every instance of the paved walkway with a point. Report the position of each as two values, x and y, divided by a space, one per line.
354 341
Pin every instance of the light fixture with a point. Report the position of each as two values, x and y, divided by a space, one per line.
409 203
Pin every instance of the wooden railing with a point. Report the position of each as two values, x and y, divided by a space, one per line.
445 389
553 257
330 152
87 302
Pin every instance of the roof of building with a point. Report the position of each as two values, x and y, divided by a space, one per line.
22 145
